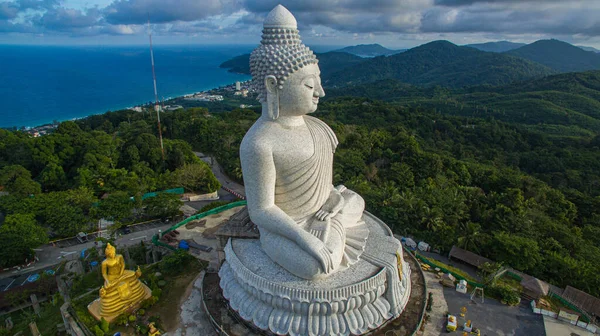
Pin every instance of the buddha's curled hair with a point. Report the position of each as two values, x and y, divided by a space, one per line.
280 54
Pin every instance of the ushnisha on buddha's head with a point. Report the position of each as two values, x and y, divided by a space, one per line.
284 71
110 251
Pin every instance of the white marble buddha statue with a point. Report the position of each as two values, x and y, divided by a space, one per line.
307 226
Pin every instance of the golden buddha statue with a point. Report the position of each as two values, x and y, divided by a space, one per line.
153 330
122 290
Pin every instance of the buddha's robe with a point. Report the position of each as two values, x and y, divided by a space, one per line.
300 192
125 292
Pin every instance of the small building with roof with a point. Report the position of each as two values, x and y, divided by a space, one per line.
467 257
534 288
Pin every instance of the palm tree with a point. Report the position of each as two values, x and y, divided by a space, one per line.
432 218
470 235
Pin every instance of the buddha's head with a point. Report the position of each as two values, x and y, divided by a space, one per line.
284 71
110 251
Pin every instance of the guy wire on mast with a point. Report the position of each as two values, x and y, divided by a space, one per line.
156 104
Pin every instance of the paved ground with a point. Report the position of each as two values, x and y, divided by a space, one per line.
494 318
439 308
223 196
202 232
193 319
220 174
555 327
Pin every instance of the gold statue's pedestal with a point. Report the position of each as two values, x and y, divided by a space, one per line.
126 295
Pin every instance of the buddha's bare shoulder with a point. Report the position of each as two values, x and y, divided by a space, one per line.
259 139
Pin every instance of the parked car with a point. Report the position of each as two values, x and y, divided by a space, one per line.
124 230
82 237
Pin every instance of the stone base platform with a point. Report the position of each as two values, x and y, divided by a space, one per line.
354 301
94 307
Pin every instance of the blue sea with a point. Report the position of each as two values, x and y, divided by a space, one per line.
40 84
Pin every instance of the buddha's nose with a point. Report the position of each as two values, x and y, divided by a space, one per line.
319 92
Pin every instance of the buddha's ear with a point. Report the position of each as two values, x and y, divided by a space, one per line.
271 84
272 97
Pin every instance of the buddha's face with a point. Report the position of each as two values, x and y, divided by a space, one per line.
301 92
110 253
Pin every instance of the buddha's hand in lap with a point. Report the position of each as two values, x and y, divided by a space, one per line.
332 206
317 248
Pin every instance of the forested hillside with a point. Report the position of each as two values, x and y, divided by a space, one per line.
559 55
563 105
369 50
499 46
441 63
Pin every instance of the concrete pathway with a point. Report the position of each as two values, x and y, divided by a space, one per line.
437 316
555 327
193 318
220 174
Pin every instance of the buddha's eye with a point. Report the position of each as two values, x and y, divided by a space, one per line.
310 83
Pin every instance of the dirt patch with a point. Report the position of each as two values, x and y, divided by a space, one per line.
195 224
209 233
173 295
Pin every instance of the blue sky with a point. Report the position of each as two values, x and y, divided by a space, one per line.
392 23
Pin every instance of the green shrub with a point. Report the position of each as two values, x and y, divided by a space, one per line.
85 317
212 205
176 262
98 331
157 292
148 302
132 318
121 320
141 312
104 325
504 293
429 302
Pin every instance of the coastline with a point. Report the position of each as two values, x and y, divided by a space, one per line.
39 124
43 124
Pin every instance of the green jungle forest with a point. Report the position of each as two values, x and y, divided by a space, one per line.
64 182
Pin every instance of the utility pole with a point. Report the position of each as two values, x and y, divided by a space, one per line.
156 104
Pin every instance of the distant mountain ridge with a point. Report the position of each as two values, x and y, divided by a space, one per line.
446 64
239 64
369 50
442 63
559 55
499 46
592 49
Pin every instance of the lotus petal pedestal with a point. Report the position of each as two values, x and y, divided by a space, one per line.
352 301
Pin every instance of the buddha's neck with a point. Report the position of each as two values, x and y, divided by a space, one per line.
290 121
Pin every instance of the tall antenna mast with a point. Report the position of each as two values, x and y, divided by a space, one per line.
156 104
